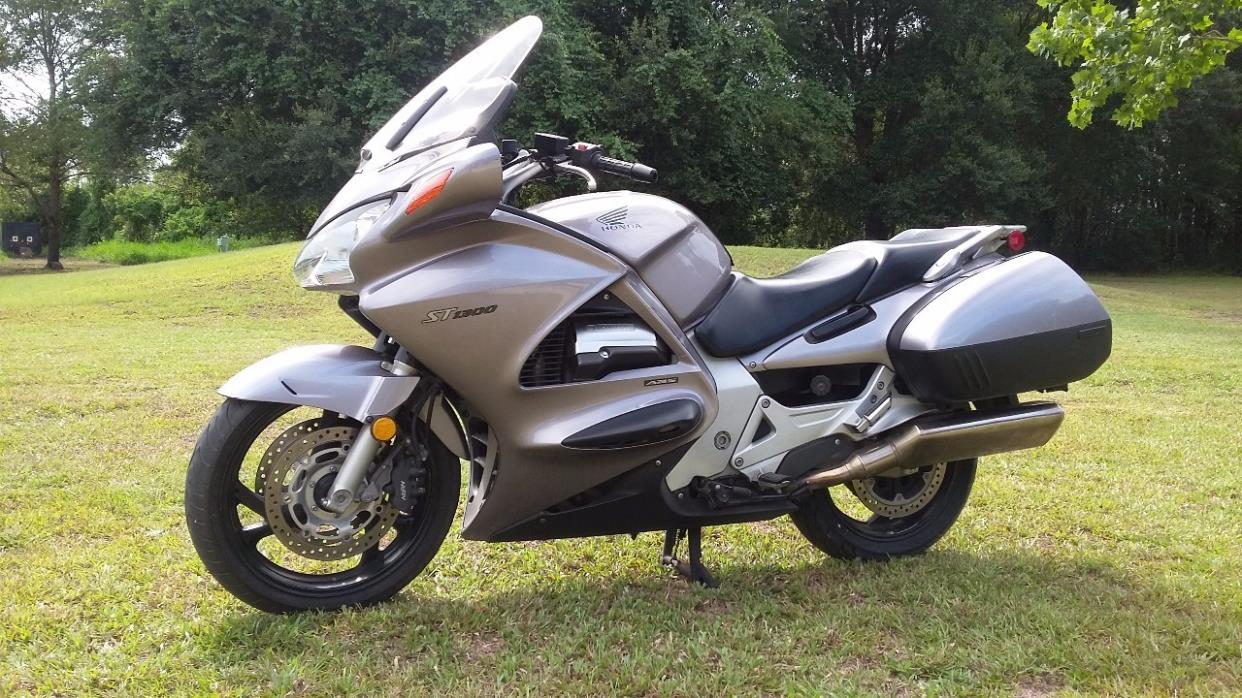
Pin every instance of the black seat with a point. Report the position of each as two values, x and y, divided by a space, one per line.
753 313
904 259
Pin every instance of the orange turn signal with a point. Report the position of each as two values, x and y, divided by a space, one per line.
384 428
428 191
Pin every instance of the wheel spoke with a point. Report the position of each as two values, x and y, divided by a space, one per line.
254 533
248 498
371 555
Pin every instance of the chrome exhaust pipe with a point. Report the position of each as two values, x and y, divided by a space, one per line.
946 438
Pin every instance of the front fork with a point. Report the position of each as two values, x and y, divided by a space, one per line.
349 479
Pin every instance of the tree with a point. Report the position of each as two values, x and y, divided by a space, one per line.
1143 54
936 97
705 92
45 43
269 103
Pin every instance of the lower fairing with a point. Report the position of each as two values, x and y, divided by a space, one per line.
634 502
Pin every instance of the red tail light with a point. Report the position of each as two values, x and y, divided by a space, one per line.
1016 240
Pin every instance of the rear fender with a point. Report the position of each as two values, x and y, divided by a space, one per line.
339 378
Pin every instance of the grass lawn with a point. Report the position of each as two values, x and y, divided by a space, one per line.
1106 563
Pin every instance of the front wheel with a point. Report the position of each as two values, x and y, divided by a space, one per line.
885 517
257 479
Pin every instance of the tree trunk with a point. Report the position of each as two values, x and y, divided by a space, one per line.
874 226
56 165
52 217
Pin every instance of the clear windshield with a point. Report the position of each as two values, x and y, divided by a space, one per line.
460 102
440 119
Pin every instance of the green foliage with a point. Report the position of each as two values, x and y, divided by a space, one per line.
92 222
14 206
128 252
780 122
1143 53
187 222
43 130
125 252
138 211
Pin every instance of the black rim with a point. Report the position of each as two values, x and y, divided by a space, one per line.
371 565
881 528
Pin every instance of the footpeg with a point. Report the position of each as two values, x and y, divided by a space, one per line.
773 482
878 401
692 569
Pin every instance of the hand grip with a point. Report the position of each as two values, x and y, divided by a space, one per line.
633 170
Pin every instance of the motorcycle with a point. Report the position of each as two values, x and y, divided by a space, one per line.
592 365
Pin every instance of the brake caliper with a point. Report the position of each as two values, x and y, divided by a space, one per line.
409 471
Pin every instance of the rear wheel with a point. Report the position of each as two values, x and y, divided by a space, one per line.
254 493
903 513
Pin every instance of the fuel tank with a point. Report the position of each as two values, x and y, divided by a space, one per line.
674 253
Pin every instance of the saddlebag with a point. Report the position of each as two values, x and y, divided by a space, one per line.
1028 323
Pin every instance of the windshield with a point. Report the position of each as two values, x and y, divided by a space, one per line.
442 118
461 102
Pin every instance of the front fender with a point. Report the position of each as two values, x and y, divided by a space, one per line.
335 377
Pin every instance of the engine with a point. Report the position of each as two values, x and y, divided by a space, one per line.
601 338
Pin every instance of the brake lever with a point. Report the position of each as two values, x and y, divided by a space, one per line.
581 172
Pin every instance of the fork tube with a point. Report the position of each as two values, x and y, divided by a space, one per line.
349 480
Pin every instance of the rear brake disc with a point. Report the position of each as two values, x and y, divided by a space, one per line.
897 497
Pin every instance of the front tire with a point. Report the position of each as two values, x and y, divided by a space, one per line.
829 527
218 494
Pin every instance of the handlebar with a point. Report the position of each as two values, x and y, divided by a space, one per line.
634 170
554 152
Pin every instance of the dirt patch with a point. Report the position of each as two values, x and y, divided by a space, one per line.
11 265
1038 686
712 606
483 646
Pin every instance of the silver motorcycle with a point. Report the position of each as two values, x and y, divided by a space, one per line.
600 369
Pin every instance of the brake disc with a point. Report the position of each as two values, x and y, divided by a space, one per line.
295 478
901 495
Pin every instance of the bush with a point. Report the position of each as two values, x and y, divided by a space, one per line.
138 210
188 222
126 252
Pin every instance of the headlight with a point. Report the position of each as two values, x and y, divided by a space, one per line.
324 259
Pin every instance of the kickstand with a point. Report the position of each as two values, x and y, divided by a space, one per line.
693 568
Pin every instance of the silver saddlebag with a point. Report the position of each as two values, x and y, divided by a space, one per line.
1028 323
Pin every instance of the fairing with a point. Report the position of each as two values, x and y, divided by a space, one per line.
530 278
463 103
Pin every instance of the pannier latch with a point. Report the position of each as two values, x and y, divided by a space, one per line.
875 403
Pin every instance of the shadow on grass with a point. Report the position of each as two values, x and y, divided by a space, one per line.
984 621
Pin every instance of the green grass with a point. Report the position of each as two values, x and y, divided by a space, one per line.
128 253
1105 563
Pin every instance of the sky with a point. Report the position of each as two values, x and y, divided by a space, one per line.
11 87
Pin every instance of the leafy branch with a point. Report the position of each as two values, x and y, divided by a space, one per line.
1144 56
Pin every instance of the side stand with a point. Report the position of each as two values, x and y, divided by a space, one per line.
693 568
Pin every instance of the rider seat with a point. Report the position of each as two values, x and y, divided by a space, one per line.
753 313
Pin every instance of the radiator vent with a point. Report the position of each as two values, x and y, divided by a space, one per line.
546 365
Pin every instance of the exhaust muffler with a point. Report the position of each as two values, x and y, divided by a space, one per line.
946 438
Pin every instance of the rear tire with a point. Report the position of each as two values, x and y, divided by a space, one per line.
842 536
211 508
